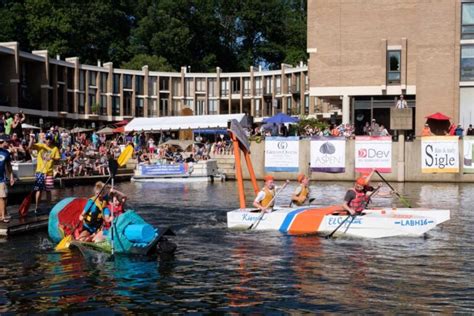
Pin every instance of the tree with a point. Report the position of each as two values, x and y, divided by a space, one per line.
154 63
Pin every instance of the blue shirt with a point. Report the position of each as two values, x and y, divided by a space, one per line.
4 158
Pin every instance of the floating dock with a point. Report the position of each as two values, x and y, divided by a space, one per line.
27 224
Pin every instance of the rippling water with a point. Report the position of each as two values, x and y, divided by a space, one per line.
221 270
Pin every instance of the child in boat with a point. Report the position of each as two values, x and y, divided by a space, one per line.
91 216
114 209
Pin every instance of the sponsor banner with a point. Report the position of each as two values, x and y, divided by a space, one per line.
440 154
468 145
328 154
373 152
282 154
162 170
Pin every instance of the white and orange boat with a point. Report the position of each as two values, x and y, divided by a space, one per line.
373 223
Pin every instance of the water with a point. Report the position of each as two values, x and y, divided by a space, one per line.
220 270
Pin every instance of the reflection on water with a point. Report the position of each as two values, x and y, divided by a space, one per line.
221 270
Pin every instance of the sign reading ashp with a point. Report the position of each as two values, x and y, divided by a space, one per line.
282 154
373 152
440 154
328 154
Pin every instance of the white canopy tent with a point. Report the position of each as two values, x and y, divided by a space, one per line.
150 124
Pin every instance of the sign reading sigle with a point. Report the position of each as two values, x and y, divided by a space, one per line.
440 154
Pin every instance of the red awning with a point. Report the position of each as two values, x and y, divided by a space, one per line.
120 129
121 123
438 116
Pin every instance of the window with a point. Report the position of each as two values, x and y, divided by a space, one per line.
117 84
467 25
268 85
278 85
139 105
187 84
224 87
116 106
247 90
393 66
103 82
212 107
82 80
235 85
127 103
127 82
258 86
306 104
139 85
200 85
164 84
467 63
258 108
211 87
288 106
200 104
103 105
176 87
152 86
92 78
82 98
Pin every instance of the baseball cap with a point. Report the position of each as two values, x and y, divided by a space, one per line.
4 138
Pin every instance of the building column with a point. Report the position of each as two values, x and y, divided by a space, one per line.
346 109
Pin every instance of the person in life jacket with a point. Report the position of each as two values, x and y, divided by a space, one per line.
113 209
92 215
265 198
301 193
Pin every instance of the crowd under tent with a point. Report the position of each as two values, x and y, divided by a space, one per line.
176 123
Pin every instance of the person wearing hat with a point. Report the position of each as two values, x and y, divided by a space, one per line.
5 174
48 154
265 198
301 193
356 199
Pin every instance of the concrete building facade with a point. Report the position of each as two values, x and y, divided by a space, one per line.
363 54
67 92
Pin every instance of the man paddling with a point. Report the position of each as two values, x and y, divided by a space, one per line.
265 198
301 193
357 198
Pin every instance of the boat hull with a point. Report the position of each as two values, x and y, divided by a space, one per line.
374 223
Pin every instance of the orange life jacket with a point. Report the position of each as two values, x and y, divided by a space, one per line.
304 192
268 199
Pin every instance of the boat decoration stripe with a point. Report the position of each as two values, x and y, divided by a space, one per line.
310 220
289 219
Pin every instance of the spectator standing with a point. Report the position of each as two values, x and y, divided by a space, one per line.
8 122
2 123
383 131
48 154
426 131
16 125
459 131
401 103
6 174
470 131
374 128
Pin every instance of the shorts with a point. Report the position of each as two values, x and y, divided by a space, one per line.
43 182
3 190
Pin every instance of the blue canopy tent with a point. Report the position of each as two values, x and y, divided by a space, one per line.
281 118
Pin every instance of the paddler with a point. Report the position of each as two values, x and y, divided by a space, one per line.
92 215
356 199
114 209
265 198
301 193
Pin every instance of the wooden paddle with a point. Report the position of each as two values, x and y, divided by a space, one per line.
113 166
402 199
262 213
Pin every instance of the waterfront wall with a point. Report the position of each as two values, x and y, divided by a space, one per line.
406 164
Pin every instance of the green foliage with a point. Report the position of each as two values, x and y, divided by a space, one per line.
167 34
95 108
312 122
154 63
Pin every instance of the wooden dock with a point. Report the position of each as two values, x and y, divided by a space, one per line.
30 223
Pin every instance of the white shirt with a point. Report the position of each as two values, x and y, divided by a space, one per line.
401 104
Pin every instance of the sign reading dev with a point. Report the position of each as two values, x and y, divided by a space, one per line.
440 154
328 154
373 152
282 154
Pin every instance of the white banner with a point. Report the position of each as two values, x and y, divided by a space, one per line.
468 146
328 154
440 154
373 152
282 154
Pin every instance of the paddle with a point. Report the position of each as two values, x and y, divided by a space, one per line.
402 199
262 213
113 166
351 216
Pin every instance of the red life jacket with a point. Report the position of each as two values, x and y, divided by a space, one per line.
118 210
359 202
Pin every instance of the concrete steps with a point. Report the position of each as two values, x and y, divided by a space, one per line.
226 165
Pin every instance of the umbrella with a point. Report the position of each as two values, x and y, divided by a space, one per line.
281 118
106 130
80 130
438 123
438 116
28 126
